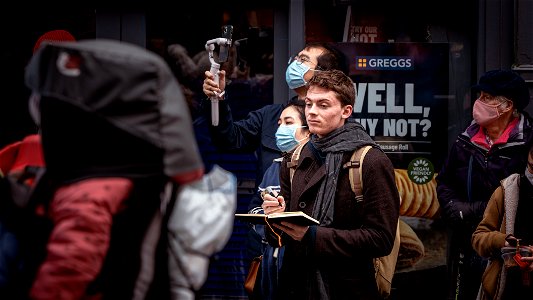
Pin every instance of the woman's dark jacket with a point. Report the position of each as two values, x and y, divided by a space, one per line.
471 173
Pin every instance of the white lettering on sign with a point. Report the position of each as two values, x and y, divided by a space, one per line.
381 98
364 34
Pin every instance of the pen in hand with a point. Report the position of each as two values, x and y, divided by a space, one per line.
272 193
268 202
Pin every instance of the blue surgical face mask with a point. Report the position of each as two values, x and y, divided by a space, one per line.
286 137
295 74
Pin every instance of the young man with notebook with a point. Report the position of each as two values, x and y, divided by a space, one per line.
334 260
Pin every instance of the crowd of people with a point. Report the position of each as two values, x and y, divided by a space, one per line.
484 188
492 148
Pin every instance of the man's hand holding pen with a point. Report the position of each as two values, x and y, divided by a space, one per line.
272 203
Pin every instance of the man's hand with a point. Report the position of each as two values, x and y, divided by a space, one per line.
212 88
296 232
273 204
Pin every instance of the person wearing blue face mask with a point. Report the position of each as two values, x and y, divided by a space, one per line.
296 70
286 137
292 131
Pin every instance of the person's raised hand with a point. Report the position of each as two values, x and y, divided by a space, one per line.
212 88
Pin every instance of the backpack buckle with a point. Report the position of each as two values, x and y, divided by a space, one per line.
351 164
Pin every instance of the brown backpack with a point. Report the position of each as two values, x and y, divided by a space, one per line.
384 266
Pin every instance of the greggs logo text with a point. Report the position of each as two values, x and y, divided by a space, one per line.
383 63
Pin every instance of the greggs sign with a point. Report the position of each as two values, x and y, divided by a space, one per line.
383 63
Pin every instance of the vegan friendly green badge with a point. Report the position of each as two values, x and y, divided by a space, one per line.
420 170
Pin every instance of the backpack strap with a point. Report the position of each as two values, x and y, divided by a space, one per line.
385 266
356 168
293 164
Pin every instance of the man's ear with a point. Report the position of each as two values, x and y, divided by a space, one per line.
346 111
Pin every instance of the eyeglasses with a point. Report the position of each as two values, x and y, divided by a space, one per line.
300 60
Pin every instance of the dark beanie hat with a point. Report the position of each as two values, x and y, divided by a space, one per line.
58 35
505 83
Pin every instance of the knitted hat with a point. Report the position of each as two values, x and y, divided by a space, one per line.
54 36
505 83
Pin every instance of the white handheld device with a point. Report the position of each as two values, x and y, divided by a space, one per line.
224 43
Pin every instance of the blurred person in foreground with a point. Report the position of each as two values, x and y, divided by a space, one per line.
334 260
506 227
493 147
115 129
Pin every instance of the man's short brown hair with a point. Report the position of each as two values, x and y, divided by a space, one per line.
336 81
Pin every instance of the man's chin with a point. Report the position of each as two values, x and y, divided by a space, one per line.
317 130
313 129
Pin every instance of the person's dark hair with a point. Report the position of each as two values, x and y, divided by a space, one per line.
299 105
336 81
331 59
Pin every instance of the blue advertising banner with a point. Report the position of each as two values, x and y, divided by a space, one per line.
402 92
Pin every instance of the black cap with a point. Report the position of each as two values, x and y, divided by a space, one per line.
505 83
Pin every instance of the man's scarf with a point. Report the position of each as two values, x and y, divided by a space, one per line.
348 138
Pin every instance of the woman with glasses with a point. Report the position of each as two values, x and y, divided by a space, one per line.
490 149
